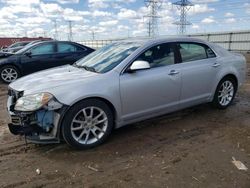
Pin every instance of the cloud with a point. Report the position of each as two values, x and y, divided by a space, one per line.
122 27
195 26
139 32
230 20
98 4
51 9
7 13
98 13
127 14
36 32
228 14
72 15
97 29
109 23
208 20
204 1
3 21
21 2
103 4
198 9
247 5
33 20
67 1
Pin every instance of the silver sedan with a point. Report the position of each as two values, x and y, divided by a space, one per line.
119 84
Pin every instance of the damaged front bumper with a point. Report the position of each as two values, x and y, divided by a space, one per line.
41 126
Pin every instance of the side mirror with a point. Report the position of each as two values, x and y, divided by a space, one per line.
139 65
28 53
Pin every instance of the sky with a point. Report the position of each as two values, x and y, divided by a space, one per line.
110 19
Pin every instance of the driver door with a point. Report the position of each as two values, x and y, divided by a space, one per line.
154 91
40 58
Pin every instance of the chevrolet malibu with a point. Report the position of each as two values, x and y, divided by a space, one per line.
120 84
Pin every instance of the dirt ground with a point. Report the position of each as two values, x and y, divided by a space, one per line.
190 148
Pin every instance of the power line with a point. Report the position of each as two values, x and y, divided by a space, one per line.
183 6
154 6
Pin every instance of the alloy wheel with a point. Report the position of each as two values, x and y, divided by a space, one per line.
226 93
89 125
9 74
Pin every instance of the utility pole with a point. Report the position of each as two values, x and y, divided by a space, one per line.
93 34
70 34
184 6
25 33
154 6
55 28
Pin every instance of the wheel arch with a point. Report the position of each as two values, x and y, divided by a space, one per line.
228 75
11 64
110 105
231 75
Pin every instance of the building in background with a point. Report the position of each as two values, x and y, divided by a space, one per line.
5 41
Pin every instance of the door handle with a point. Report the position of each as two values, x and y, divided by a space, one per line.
173 72
216 65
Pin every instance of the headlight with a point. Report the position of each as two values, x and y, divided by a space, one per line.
32 102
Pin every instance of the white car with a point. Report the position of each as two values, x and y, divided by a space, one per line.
119 84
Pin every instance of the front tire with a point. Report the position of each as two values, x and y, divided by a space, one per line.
9 73
87 124
225 93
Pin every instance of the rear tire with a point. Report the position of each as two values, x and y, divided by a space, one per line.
9 73
87 124
225 93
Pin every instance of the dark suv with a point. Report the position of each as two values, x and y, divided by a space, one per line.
40 56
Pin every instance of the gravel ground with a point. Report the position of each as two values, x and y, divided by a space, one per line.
189 148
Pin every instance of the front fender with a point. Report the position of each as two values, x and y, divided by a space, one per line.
105 87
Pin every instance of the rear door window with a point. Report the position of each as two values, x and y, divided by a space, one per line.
194 51
67 48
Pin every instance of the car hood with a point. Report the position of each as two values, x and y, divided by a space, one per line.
5 54
51 78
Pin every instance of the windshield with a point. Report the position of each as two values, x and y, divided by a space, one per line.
18 44
23 49
108 57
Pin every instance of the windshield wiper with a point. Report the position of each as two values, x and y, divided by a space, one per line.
91 69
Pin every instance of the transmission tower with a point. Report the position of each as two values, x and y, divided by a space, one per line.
70 34
154 6
184 6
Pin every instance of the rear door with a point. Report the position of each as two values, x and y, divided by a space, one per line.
199 68
40 57
68 53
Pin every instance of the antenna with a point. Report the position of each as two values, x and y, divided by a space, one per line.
184 6
70 34
154 6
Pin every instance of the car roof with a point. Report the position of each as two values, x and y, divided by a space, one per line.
56 41
149 41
